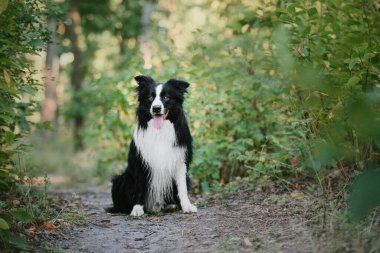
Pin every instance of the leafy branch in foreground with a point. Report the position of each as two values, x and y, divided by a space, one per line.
22 33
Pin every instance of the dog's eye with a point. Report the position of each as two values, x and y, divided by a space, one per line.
166 98
151 98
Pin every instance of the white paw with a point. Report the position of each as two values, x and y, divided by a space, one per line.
137 211
189 208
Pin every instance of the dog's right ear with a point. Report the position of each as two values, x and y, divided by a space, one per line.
144 80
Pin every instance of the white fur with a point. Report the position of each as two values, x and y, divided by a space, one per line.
180 179
158 150
137 210
157 99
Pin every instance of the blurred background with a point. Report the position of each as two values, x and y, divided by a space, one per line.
281 91
284 100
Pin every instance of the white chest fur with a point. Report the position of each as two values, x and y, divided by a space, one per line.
158 150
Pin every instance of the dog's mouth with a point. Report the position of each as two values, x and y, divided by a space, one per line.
158 119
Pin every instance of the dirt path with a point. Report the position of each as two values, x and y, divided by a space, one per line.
242 222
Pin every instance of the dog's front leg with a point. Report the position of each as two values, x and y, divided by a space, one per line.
180 179
138 208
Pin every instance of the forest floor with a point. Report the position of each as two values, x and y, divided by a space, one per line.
242 221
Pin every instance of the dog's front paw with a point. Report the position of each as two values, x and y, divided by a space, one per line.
189 208
137 211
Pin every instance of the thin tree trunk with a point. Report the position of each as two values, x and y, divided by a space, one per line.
222 176
49 106
145 38
77 72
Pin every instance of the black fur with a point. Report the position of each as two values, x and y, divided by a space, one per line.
131 187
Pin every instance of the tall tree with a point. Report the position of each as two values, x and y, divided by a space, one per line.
146 51
77 71
49 107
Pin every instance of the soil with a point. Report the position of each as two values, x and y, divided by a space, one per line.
244 221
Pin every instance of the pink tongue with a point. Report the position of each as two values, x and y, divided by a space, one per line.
158 121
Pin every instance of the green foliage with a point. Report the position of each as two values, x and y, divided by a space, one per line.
22 215
241 125
106 92
366 184
111 121
333 230
280 91
22 32
335 77
289 87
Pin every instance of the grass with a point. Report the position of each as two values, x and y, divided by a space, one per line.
53 248
328 223
334 231
36 214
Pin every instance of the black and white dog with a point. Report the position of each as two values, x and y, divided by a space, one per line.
160 152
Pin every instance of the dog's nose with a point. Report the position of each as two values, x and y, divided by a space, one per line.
157 109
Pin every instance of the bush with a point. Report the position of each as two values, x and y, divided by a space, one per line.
283 89
22 33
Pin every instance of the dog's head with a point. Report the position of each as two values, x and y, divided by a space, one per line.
159 101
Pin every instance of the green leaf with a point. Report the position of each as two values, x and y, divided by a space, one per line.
18 242
304 51
46 125
22 215
205 187
285 19
353 80
10 137
368 56
365 193
68 22
361 47
312 11
3 184
30 90
353 63
3 224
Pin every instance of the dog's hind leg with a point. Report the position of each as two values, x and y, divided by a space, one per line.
120 196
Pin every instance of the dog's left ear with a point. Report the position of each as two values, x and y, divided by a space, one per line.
179 84
144 80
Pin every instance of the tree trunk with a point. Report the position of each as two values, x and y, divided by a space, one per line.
145 38
77 71
49 106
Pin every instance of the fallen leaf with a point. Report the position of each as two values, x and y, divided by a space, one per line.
297 195
295 161
32 228
48 226
247 242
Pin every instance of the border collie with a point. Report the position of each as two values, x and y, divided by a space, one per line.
160 152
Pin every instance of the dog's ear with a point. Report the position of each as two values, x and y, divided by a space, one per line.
179 84
144 80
